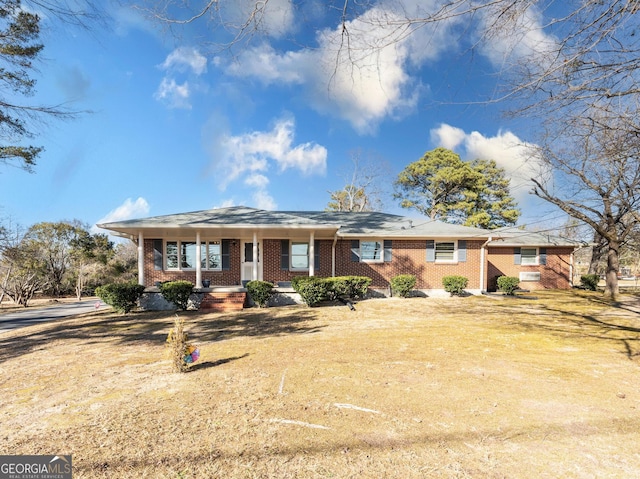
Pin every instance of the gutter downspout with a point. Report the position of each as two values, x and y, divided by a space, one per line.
483 254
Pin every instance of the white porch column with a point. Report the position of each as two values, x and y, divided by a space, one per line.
198 262
141 258
254 271
312 253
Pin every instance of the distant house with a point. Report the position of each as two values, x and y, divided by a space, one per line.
224 248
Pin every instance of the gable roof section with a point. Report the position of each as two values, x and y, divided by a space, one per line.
238 219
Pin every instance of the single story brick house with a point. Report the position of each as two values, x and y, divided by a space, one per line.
219 250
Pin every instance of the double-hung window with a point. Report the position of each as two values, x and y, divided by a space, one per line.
299 255
182 255
371 251
213 255
187 255
445 251
528 256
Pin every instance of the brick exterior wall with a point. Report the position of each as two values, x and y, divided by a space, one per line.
409 257
228 277
271 270
554 275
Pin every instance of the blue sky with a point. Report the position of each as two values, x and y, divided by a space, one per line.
175 126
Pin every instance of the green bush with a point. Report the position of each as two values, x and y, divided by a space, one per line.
312 290
455 284
122 297
353 287
590 281
508 284
177 292
260 292
403 284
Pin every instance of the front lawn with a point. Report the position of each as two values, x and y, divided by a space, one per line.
544 385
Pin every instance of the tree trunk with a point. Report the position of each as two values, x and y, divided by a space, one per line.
598 252
613 265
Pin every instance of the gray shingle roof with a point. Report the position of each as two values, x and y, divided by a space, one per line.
517 237
237 219
344 223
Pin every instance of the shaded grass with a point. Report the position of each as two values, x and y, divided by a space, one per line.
542 385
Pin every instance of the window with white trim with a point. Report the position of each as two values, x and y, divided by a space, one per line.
181 255
445 251
371 251
529 256
299 255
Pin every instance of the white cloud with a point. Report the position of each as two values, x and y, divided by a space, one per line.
253 156
256 151
269 66
257 180
127 210
447 136
263 200
182 60
274 18
362 83
185 59
228 203
513 36
174 95
508 151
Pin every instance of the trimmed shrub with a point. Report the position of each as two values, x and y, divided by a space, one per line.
353 287
590 281
455 284
122 297
403 284
312 290
508 284
177 292
260 292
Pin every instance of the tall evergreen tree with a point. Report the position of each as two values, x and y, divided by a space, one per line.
19 47
443 187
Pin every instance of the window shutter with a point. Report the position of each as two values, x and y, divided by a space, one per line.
226 254
355 251
462 251
316 255
543 256
517 257
388 250
431 251
284 254
157 254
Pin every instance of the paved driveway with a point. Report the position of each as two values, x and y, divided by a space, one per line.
50 313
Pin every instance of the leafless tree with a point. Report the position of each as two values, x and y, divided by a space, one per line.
364 186
594 176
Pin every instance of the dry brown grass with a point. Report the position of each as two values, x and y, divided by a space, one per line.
475 387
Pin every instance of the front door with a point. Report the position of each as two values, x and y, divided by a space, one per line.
248 261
